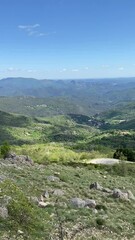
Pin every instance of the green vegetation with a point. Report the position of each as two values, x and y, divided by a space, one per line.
5 149
62 146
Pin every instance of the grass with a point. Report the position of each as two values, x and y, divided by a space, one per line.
114 217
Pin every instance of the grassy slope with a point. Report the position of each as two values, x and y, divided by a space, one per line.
116 221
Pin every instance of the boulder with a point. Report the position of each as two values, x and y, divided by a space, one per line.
117 193
78 202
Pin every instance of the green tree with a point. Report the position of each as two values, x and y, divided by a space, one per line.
5 149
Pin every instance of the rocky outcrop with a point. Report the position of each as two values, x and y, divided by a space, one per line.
18 159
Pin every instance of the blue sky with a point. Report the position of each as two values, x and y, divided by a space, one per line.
67 38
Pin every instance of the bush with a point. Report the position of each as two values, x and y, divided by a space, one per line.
5 149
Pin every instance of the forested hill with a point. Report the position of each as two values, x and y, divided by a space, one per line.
53 97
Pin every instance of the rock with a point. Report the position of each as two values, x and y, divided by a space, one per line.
41 198
78 202
106 190
96 186
130 195
90 203
117 193
94 210
53 179
21 159
45 194
3 212
20 232
58 192
43 204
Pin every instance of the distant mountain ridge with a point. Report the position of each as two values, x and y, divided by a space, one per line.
86 96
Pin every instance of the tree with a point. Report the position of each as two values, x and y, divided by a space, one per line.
5 149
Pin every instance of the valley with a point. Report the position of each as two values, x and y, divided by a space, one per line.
46 177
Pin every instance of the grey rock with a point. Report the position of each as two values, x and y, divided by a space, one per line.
3 212
107 190
53 179
19 159
90 203
117 193
45 194
58 192
96 186
78 202
130 195
94 210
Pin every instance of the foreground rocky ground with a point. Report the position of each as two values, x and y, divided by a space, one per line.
65 202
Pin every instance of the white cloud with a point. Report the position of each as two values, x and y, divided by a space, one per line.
29 27
86 68
33 30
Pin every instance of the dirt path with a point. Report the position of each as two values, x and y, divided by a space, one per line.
106 161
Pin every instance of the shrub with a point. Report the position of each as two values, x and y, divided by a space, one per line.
5 149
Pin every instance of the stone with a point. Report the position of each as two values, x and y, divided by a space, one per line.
130 195
3 212
90 203
78 202
94 210
106 190
45 194
117 193
53 179
43 204
96 186
58 192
